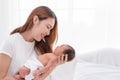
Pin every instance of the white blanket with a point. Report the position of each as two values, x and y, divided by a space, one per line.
93 71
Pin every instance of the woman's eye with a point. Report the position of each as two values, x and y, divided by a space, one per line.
48 27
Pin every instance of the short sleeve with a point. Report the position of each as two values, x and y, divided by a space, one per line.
7 48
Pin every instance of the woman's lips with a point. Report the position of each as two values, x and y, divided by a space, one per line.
42 36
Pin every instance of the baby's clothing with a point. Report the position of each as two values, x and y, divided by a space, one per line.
33 63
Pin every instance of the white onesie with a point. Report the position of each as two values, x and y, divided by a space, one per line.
33 63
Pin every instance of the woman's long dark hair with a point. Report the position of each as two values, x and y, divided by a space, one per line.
43 12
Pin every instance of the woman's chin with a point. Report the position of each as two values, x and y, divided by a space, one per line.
39 39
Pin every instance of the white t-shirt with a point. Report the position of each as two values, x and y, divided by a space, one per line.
19 50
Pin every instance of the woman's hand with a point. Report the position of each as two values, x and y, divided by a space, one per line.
38 75
41 76
62 59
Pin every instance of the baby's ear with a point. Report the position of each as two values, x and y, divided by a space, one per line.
35 20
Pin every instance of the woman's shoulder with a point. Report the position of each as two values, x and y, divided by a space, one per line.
8 45
13 37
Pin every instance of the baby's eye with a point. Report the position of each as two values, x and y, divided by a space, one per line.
48 27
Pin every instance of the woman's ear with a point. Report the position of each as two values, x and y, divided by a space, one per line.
35 20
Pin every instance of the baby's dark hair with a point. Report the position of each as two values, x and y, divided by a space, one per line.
70 53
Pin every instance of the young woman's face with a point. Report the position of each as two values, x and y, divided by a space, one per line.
42 28
59 50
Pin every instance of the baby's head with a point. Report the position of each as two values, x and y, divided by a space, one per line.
66 50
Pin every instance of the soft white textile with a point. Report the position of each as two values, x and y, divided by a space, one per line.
93 71
110 56
33 63
103 64
64 71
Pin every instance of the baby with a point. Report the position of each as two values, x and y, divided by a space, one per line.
45 61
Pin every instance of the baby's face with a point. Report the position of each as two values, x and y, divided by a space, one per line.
59 50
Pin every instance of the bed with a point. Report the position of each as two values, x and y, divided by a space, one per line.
102 64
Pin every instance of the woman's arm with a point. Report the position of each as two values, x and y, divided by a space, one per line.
44 75
8 78
61 60
4 65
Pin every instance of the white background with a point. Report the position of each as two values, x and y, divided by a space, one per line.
85 24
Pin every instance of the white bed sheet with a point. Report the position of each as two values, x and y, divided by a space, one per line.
92 71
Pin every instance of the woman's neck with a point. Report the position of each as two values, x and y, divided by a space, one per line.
27 36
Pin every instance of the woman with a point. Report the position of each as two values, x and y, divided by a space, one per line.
36 36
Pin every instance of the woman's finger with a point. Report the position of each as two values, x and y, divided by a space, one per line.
62 59
66 58
37 72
